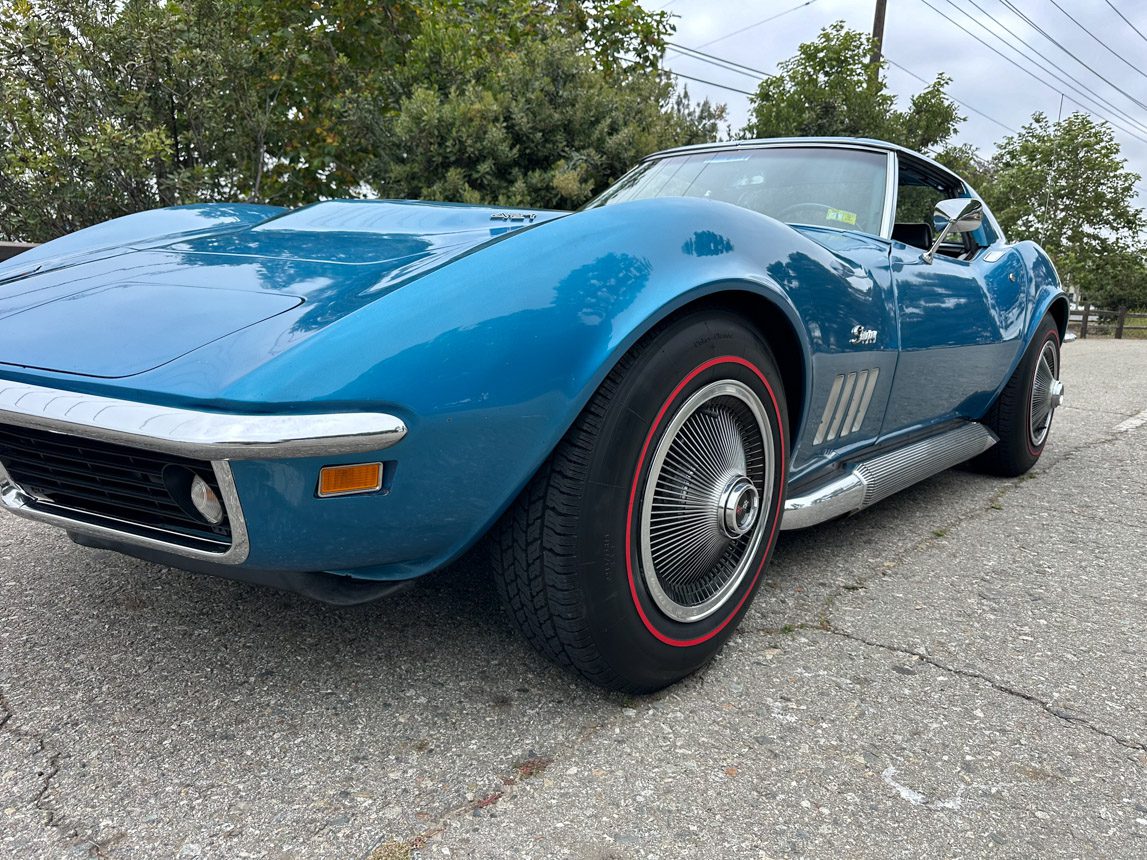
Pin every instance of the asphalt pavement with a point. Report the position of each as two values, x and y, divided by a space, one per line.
959 671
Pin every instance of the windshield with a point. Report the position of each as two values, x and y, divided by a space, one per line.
832 187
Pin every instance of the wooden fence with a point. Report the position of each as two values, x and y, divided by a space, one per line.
1091 320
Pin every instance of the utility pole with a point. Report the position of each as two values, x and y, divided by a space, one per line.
1051 173
878 32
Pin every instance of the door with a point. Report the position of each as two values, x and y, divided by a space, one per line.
959 314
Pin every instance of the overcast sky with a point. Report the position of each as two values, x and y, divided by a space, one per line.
922 41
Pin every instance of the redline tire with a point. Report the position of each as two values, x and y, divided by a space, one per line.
1011 418
577 554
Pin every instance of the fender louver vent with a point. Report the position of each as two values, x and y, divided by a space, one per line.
847 404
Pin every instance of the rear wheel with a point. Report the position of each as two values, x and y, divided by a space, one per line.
1022 414
632 555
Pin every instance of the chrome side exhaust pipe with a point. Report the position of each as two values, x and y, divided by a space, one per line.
868 481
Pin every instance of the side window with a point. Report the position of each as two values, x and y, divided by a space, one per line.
915 203
917 193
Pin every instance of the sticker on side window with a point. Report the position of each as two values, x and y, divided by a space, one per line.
841 215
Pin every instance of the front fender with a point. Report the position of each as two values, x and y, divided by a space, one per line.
490 359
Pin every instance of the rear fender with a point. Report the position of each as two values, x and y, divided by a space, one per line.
1047 295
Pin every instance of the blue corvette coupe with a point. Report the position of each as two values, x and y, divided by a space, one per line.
627 402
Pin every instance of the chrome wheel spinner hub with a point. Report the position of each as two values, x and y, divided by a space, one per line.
738 507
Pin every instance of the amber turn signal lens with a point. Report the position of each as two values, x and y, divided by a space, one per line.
344 480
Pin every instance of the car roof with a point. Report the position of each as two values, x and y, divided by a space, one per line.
844 142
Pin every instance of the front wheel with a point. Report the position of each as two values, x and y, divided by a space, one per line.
1022 413
633 554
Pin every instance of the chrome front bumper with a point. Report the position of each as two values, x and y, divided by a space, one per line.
196 433
217 437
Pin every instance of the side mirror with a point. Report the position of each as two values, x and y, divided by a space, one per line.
957 215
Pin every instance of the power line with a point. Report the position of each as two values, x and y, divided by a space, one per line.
633 61
1105 46
710 83
892 62
1059 45
713 59
755 24
1066 78
1107 120
1028 72
740 68
1124 17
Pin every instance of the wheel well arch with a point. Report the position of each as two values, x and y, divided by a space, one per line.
1059 312
777 331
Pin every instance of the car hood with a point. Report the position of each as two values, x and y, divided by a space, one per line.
124 313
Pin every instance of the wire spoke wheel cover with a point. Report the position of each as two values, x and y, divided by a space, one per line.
705 501
1047 393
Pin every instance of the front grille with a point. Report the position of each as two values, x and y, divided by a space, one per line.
111 485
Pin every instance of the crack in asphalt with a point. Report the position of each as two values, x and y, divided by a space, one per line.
47 775
503 786
899 558
1057 712
1091 411
1133 423
940 533
823 622
1139 528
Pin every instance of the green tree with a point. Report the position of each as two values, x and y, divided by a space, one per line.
113 106
970 165
1066 185
1114 278
109 107
830 88
541 128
